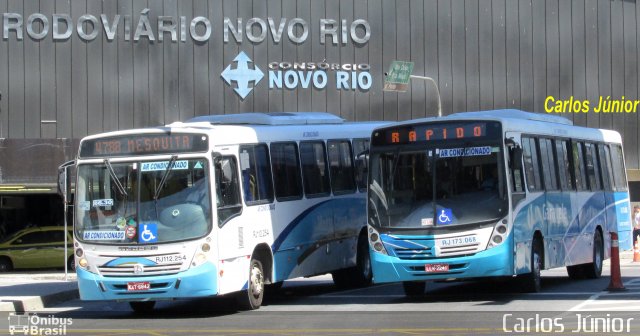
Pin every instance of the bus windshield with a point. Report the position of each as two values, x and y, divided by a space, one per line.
143 202
437 186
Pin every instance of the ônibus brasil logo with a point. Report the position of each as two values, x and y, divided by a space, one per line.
291 76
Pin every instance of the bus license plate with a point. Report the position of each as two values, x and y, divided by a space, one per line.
457 241
138 286
436 268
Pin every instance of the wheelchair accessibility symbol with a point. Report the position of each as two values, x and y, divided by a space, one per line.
148 233
445 217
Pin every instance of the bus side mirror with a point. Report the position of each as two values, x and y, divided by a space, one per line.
65 179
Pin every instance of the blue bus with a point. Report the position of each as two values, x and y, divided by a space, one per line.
493 194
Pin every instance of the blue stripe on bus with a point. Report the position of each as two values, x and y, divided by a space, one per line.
291 226
129 260
333 225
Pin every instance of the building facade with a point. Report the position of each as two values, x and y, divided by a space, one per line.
73 68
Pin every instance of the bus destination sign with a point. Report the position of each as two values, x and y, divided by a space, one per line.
143 144
436 131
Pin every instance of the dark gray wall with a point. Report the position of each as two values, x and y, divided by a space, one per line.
485 54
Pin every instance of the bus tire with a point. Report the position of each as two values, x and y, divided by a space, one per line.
252 298
360 275
531 282
414 288
142 307
593 270
364 274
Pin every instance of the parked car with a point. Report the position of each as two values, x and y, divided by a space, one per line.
36 247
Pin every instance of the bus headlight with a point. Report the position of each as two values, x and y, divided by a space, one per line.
374 240
500 233
201 256
83 263
199 259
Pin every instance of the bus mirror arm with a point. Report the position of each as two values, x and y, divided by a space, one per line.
515 153
511 142
516 157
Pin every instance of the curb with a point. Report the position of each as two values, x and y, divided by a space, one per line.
34 303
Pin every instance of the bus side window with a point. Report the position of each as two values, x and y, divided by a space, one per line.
361 155
531 164
341 166
227 188
578 166
315 172
285 165
619 176
605 166
256 174
564 171
548 164
593 169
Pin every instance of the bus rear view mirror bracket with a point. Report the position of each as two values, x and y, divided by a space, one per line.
517 157
515 153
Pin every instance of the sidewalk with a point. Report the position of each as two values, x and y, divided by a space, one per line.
33 291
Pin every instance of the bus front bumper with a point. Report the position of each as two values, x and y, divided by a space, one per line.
200 281
494 262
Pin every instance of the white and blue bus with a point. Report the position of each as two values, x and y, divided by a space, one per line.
221 204
493 194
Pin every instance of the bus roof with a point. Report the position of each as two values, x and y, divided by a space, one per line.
526 122
245 128
500 115
270 118
515 114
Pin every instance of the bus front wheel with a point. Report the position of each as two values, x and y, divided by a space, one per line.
252 298
363 267
531 282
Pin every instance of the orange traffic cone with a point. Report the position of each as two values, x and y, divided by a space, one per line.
615 285
636 251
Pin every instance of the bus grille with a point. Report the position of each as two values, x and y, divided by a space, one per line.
459 250
413 254
422 249
128 270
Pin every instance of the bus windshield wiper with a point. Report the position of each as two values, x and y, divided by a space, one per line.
163 180
115 179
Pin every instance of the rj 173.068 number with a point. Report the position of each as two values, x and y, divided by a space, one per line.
457 241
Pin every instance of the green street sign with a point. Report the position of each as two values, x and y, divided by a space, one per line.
398 76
